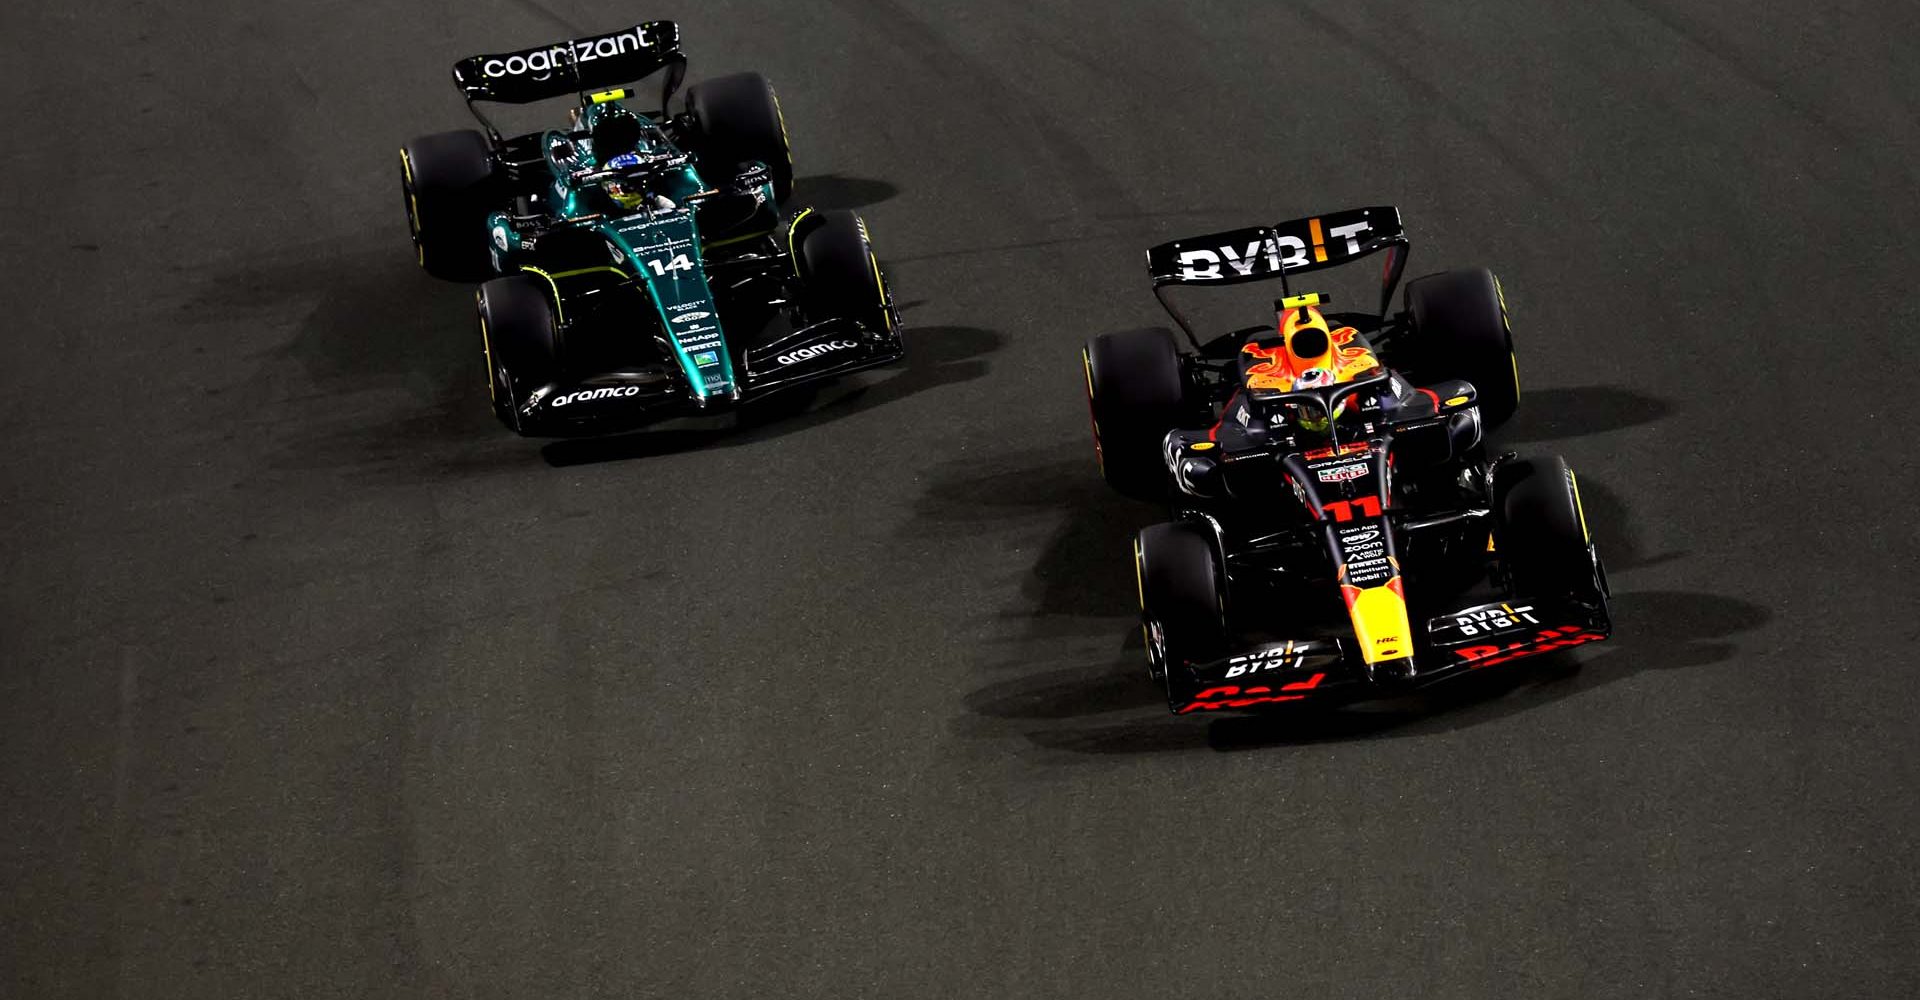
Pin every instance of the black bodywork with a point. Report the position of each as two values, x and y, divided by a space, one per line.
1320 538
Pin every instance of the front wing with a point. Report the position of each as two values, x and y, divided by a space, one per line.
1329 671
622 400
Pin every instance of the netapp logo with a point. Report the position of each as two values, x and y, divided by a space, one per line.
692 317
809 353
586 394
539 64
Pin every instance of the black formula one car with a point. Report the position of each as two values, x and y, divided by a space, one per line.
1340 532
638 264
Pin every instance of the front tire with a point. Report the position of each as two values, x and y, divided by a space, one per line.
521 339
1135 395
739 121
1541 530
1461 331
1182 608
447 181
841 273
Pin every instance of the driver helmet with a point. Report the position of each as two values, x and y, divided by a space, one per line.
613 130
1317 356
627 192
1309 341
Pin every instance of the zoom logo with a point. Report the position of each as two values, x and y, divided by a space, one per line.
817 350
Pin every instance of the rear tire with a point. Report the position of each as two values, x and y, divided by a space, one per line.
1461 331
447 181
1135 395
841 273
739 121
521 339
1541 531
1182 609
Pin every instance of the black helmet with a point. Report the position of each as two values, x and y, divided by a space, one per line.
615 131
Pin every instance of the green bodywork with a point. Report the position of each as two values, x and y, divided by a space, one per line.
662 248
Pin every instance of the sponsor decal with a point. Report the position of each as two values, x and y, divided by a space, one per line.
1369 573
692 317
500 238
814 351
683 306
1366 552
1494 619
1342 473
1563 637
539 64
1270 254
1216 698
1356 448
1266 659
1351 537
618 257
607 392
706 359
706 337
658 248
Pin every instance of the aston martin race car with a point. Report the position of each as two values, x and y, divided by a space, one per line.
637 265
1340 531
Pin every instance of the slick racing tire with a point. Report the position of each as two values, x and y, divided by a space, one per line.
1540 530
841 274
447 180
1135 395
1460 331
521 341
737 120
1182 609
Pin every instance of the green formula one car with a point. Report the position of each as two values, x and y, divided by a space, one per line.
637 265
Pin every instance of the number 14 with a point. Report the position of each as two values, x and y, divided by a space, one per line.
678 263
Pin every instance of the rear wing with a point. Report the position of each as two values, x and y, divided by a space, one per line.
1264 253
596 62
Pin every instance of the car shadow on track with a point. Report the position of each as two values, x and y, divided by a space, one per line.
936 356
1579 411
380 373
1075 601
831 191
1080 592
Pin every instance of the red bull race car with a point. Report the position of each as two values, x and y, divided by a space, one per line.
1340 530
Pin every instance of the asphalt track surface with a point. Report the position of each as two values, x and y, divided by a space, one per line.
317 683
